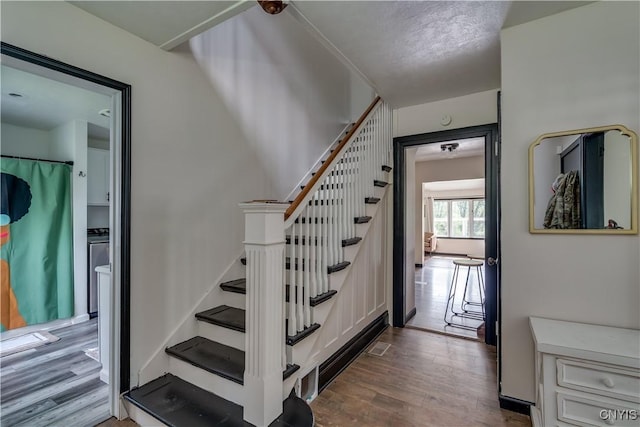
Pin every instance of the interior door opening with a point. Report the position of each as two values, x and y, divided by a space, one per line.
51 119
461 216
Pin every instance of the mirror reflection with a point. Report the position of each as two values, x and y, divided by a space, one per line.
583 181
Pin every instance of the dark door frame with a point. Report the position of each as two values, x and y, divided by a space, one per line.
125 189
491 135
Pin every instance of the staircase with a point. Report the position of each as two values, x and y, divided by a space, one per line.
243 364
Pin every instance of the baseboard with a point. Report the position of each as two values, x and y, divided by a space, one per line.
515 405
339 360
410 315
54 324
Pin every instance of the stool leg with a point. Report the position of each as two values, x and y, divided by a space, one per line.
452 293
464 294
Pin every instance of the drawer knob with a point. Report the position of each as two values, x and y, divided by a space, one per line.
608 382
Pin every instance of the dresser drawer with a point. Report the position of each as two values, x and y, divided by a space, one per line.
582 411
599 379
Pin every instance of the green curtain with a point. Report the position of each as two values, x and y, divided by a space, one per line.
39 248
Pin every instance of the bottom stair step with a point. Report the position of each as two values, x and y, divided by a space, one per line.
178 403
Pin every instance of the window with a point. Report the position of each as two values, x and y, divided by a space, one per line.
459 218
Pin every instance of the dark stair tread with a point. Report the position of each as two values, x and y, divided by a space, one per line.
319 299
239 286
322 298
291 368
225 316
294 339
386 168
351 241
178 403
378 183
337 267
362 219
371 200
303 241
295 413
330 268
219 359
243 260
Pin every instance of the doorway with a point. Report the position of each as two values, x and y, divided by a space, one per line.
117 212
403 267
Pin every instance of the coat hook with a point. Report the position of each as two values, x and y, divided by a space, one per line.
82 174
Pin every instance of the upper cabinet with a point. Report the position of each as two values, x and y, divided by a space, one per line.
97 177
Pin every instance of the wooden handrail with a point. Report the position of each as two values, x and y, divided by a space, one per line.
328 162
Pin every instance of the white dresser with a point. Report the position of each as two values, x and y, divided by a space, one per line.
586 375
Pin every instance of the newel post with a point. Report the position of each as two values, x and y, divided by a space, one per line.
264 336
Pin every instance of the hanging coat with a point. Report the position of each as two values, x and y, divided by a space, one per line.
563 210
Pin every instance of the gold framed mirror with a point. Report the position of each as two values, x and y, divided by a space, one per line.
584 181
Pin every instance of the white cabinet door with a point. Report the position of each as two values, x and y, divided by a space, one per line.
97 177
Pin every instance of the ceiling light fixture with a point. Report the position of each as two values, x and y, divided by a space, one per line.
272 7
449 147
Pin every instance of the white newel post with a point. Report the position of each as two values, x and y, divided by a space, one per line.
264 336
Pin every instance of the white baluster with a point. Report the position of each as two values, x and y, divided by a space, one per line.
293 325
312 240
306 291
299 265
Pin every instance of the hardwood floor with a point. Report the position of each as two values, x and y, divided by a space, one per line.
432 289
56 384
423 379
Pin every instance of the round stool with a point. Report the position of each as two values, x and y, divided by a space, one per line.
467 302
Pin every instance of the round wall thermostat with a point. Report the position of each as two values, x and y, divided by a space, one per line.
445 120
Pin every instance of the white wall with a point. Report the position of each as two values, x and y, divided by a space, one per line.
617 178
69 143
470 110
24 142
291 96
445 170
546 164
192 158
568 71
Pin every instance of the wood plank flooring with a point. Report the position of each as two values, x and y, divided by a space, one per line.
423 379
432 289
55 384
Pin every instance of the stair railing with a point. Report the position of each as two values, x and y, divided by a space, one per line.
318 221
324 214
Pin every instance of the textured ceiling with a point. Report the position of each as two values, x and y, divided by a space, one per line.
420 51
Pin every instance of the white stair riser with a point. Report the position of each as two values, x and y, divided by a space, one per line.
222 335
206 380
233 299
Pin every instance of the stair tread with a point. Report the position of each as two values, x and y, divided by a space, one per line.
351 241
238 286
371 200
225 316
386 168
378 183
178 403
219 359
294 339
362 219
322 298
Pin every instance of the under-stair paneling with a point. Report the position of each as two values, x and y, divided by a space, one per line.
363 294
